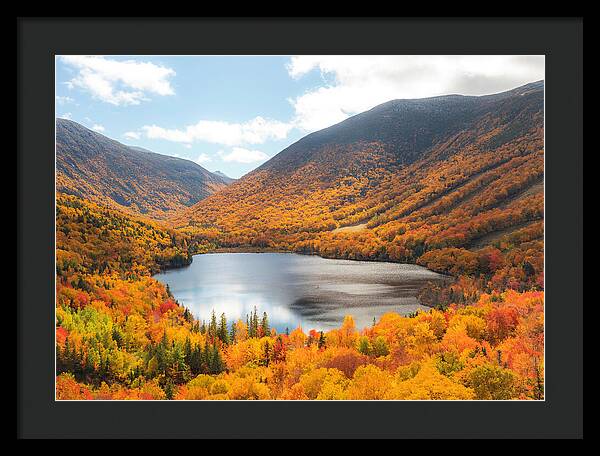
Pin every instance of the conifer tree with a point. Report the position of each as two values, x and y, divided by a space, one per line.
223 334
233 333
65 355
207 357
321 343
264 325
196 360
255 323
212 327
216 366
187 350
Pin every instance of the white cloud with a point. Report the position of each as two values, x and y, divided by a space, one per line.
64 100
119 82
255 131
66 115
241 155
99 128
131 135
203 158
355 84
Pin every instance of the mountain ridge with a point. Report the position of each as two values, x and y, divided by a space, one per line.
131 178
348 125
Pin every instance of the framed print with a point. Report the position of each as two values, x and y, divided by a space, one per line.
239 229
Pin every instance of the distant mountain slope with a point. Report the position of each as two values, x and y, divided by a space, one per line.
225 177
103 170
411 177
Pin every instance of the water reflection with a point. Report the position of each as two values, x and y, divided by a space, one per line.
310 291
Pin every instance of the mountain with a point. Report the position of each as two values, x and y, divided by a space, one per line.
225 177
403 129
409 180
92 166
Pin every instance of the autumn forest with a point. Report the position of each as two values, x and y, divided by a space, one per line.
454 184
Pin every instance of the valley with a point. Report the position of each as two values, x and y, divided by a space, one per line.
341 193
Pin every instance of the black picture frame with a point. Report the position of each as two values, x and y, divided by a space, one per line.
559 416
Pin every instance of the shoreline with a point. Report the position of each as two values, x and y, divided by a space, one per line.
274 250
244 250
442 278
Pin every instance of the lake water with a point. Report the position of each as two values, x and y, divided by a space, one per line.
310 291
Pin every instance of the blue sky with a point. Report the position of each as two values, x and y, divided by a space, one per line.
232 113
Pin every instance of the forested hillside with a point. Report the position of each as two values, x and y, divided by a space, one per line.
92 166
453 183
121 334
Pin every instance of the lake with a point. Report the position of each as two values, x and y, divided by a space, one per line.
306 290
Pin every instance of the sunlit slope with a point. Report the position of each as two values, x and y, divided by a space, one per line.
421 174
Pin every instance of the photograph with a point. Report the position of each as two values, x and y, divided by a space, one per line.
299 227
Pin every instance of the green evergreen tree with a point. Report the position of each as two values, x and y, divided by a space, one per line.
255 323
321 343
66 354
222 332
264 325
207 357
196 358
212 327
217 366
187 350
233 333
162 354
179 371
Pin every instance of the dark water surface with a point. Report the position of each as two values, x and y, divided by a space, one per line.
294 290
